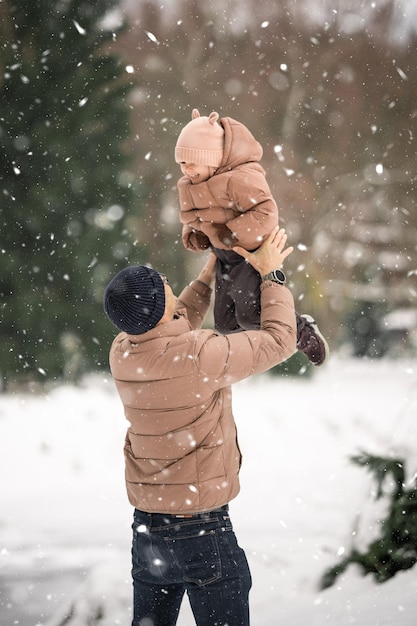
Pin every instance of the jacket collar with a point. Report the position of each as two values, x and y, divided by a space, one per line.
178 326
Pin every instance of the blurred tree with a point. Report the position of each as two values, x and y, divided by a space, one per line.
364 330
65 184
395 548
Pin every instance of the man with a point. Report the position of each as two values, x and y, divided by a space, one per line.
181 451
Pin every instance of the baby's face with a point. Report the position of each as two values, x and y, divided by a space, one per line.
196 173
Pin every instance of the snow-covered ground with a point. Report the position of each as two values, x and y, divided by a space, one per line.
65 520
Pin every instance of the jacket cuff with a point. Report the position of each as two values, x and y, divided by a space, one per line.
201 288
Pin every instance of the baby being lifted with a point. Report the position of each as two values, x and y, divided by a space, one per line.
225 201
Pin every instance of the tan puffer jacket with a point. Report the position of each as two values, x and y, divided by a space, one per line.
233 207
181 449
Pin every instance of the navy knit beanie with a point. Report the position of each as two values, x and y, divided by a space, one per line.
134 300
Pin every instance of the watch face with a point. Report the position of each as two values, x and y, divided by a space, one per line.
279 276
276 276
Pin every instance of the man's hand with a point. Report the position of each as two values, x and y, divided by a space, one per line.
270 255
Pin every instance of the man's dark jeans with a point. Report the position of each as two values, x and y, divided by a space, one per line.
198 555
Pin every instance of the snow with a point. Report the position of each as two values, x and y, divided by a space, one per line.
65 520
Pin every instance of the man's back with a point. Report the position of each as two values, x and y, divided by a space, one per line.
181 446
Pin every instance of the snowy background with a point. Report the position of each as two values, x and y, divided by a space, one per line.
65 520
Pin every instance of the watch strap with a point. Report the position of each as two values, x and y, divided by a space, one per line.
276 276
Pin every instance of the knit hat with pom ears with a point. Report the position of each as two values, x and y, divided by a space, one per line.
201 141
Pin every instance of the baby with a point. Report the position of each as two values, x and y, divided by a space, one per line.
225 201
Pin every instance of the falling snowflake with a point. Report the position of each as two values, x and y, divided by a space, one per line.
79 28
151 36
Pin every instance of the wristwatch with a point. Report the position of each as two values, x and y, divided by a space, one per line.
277 276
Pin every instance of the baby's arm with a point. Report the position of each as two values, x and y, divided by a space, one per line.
250 193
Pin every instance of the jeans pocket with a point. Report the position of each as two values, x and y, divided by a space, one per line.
197 556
